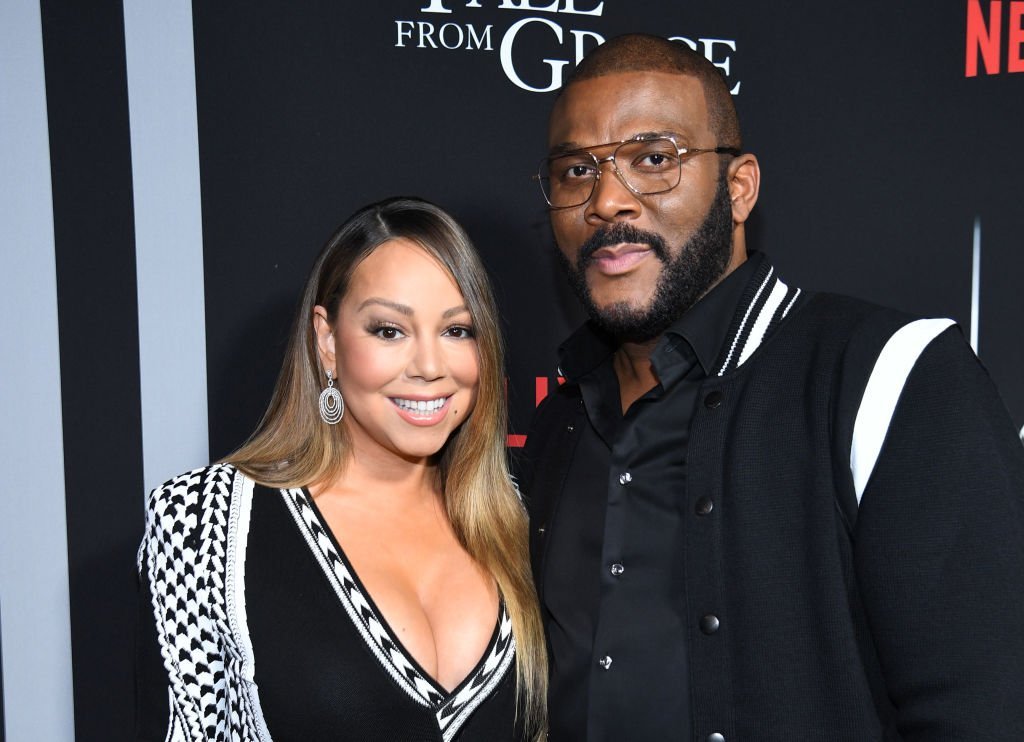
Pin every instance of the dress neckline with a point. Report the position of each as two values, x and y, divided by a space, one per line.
451 708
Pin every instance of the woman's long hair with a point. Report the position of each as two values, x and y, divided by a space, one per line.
292 447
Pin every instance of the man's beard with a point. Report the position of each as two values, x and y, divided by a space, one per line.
685 278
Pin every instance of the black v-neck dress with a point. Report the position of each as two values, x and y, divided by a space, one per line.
255 626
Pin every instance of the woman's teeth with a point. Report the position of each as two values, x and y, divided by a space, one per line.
420 405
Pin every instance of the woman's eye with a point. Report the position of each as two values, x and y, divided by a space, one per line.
387 332
460 331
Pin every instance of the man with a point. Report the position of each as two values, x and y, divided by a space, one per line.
757 513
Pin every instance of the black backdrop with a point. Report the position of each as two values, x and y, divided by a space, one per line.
878 154
885 137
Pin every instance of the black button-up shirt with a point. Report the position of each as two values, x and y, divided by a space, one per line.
614 592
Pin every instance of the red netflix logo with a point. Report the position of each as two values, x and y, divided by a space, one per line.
985 37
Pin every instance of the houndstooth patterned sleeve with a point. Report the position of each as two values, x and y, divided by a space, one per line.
184 562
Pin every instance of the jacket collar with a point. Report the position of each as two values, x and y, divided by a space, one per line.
765 303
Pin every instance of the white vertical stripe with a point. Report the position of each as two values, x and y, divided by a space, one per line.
743 322
976 284
882 392
168 236
796 295
36 624
238 540
764 318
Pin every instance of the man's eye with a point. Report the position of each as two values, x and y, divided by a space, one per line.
576 171
654 161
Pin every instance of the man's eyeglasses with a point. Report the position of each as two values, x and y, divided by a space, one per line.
646 165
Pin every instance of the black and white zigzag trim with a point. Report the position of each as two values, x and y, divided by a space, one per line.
475 689
370 627
451 711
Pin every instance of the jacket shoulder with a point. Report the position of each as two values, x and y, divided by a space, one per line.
178 511
838 312
191 485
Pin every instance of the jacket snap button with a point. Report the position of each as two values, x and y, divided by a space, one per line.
716 737
605 662
616 569
709 624
704 505
713 400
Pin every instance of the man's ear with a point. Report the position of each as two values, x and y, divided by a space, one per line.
324 337
744 178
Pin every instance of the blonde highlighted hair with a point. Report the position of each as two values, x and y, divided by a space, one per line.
293 447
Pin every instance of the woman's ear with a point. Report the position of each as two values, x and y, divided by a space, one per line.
324 337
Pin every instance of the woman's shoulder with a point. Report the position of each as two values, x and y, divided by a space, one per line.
187 504
195 484
188 517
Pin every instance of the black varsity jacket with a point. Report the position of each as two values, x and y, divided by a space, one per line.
856 500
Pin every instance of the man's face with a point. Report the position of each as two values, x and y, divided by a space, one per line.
639 262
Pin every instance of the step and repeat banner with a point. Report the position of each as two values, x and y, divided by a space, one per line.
198 158
891 160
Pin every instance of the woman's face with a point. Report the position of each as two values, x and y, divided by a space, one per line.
404 353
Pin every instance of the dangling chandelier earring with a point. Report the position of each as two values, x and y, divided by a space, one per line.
332 405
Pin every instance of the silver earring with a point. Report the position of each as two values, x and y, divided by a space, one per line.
332 405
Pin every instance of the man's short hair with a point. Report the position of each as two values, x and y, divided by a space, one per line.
647 53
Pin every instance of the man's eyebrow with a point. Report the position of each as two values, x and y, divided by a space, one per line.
564 147
568 147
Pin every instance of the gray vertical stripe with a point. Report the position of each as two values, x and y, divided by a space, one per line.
36 623
976 284
168 236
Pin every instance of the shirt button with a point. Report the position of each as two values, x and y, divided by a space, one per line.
713 400
570 428
617 569
625 478
605 662
704 505
709 624
716 737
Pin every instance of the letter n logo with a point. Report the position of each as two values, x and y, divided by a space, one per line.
983 38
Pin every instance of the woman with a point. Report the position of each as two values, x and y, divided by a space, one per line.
358 569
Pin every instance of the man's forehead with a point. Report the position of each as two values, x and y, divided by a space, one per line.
622 105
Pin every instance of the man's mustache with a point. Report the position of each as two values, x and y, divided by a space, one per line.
617 234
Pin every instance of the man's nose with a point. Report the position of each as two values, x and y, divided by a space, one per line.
612 200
